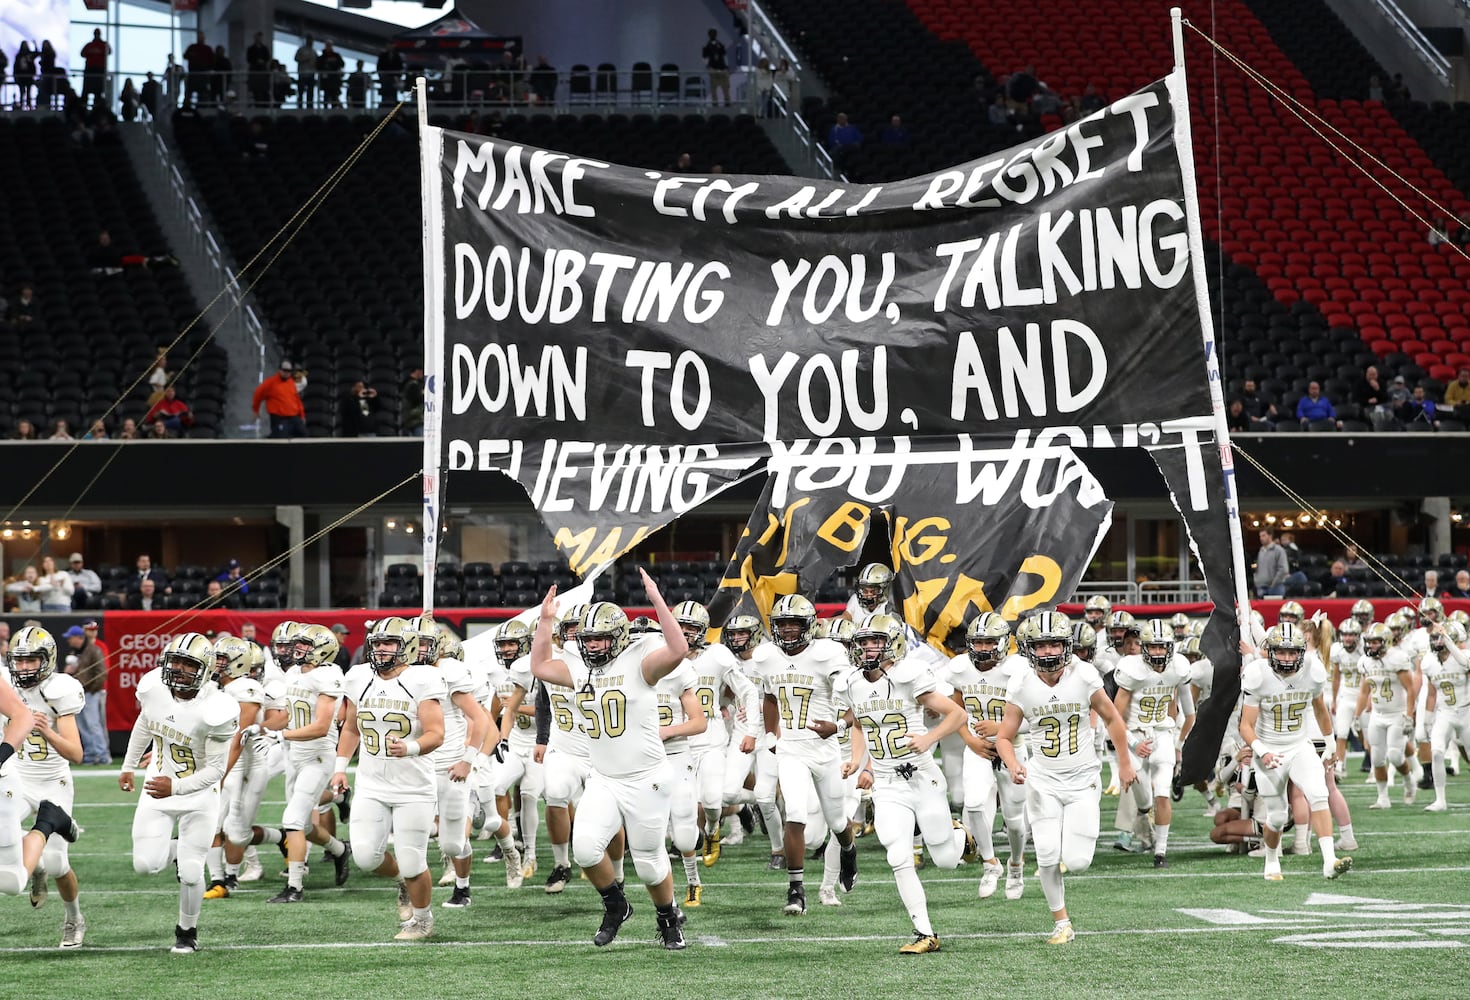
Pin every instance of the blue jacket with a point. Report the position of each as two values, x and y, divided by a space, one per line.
1318 409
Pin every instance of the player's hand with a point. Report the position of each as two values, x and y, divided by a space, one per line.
984 727
1018 774
1357 726
849 768
1143 749
923 743
41 723
339 783
865 780
823 728
501 751
539 754
249 732
747 744
264 740
125 781
1330 758
548 606
396 747
460 771
649 586
1244 754
1126 776
160 787
1270 761
987 750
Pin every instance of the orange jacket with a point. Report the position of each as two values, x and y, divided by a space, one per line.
280 397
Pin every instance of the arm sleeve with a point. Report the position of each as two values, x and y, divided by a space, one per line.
543 716
216 759
1186 701
137 743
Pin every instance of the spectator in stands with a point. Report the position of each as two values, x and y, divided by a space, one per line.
1337 577
1261 410
357 87
1352 559
543 81
715 65
94 74
1092 100
411 403
282 403
894 134
1314 411
1431 584
306 72
1399 398
129 101
107 259
247 632
173 79
998 114
1236 419
25 77
281 85
24 309
1375 88
217 597
1462 585
329 67
1294 574
199 57
258 64
1457 396
1369 393
146 571
172 412
128 431
90 671
220 81
54 587
46 82
1398 90
150 95
356 411
1420 412
23 591
1271 566
157 431
344 651
1046 101
390 66
145 598
60 432
26 431
1022 87
233 577
843 136
789 81
85 583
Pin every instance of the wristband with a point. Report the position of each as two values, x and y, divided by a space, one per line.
1257 749
411 748
341 764
6 752
470 755
841 727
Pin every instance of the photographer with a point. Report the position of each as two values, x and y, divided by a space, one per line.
358 407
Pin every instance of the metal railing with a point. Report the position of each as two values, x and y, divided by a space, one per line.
1436 63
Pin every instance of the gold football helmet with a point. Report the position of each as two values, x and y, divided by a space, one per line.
877 641
872 586
1046 628
1158 644
742 633
231 658
32 643
512 642
793 618
186 662
316 646
392 630
283 644
602 620
1286 648
986 639
693 619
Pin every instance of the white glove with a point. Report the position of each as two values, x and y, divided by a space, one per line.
249 733
264 739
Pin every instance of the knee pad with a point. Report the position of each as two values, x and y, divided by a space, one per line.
12 880
366 856
1077 862
900 854
54 857
1396 754
1317 805
191 870
237 832
452 841
1277 814
412 860
685 836
652 866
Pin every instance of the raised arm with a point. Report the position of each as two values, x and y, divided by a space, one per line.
658 663
544 663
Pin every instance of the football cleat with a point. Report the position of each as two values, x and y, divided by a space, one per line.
1339 868
38 887
971 853
1112 789
989 878
612 920
495 856
795 901
405 908
712 848
72 932
344 808
560 876
777 863
671 930
828 895
747 819
459 899
290 894
217 890
694 896
448 877
251 871
1063 934
528 868
186 942
847 868
340 863
50 814
1437 806
922 944
1015 881
1347 843
1160 861
1381 803
416 929
513 873
1124 842
1411 791
1273 875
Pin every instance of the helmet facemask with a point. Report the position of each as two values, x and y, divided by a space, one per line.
32 675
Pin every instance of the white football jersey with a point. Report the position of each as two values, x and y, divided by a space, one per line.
57 695
1105 660
1060 739
716 668
1347 665
801 684
182 730
857 612
984 691
246 690
889 712
671 703
1389 696
1283 701
1154 692
522 735
1451 681
1202 676
389 709
457 680
619 711
303 688
1416 644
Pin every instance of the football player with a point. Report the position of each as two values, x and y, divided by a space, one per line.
516 763
1153 695
980 680
53 702
1096 612
1362 613
566 759
742 635
1278 690
1430 614
395 716
1062 775
246 778
1292 613
314 691
797 672
1449 699
872 593
616 683
1180 625
1388 687
1343 658
189 724
888 694
842 631
680 716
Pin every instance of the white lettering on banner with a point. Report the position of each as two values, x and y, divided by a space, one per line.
818 304
844 396
668 199
524 188
631 478
1030 371
651 361
496 377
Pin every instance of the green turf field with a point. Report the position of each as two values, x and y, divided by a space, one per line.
1209 926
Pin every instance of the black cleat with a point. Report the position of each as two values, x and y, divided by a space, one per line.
51 818
560 876
495 856
847 872
281 846
459 899
1160 861
795 900
612 920
186 942
340 863
777 863
671 932
1176 790
747 820
344 808
290 894
1427 781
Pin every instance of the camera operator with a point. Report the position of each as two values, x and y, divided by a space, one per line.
358 408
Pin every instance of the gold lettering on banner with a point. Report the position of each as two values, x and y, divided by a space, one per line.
585 551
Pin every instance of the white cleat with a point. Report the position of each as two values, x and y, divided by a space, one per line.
1015 881
1303 846
416 929
405 908
989 878
448 877
1381 803
513 876
1437 806
828 895
251 871
1411 792
1347 844
72 932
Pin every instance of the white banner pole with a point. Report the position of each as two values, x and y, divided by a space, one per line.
431 141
